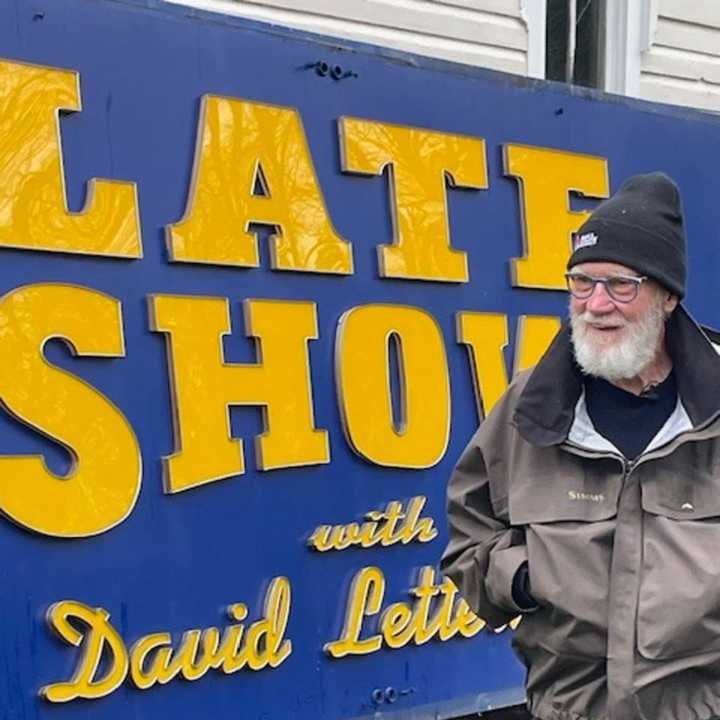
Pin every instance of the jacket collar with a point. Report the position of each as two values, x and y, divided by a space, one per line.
546 407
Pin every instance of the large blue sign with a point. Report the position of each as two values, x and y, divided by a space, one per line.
258 290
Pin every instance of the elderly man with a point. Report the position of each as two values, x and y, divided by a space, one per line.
589 499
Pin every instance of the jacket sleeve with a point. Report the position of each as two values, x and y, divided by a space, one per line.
483 552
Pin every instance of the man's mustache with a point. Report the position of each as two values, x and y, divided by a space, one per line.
601 321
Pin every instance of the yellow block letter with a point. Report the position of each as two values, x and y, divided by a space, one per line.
362 359
421 162
546 178
103 484
485 335
245 147
204 386
33 204
100 639
534 335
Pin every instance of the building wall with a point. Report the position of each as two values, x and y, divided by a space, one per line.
682 64
660 50
502 35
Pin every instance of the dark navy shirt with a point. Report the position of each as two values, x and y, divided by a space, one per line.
627 420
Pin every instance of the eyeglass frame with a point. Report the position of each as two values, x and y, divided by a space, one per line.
636 280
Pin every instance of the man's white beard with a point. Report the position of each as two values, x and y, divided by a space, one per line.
624 359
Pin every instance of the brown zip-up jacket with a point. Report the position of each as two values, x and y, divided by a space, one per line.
623 558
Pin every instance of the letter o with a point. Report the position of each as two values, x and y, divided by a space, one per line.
363 381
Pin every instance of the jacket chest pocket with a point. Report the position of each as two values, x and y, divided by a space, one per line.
585 496
679 598
569 523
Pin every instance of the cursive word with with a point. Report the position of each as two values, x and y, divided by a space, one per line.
388 527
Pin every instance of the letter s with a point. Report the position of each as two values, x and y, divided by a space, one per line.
103 484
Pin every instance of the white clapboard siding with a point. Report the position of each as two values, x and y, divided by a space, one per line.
682 64
672 63
687 36
705 96
698 12
486 33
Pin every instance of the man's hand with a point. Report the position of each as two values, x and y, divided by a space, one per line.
521 589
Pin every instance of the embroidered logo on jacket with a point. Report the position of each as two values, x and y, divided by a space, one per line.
589 497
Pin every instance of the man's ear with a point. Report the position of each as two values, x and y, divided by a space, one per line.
670 302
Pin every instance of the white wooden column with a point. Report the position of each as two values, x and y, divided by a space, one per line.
534 13
628 33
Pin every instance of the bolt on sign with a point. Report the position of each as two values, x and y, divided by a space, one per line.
250 314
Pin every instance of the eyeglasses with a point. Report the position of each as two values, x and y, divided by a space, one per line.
621 288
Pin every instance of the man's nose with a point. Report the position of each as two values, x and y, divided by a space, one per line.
600 300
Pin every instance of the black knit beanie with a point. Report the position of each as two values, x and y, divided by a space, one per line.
641 226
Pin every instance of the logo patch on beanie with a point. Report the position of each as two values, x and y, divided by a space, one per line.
585 240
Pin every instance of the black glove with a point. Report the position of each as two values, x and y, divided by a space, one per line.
521 594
